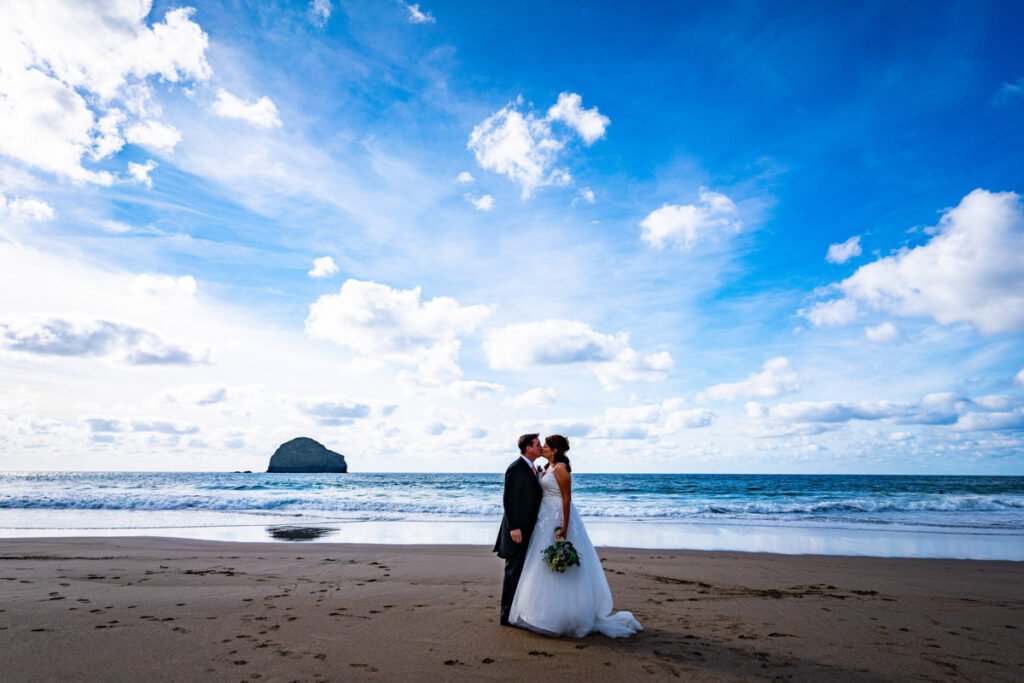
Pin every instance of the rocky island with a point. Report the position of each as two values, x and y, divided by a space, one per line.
306 455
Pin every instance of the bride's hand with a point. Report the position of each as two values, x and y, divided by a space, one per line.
560 533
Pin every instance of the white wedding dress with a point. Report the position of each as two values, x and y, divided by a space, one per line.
573 603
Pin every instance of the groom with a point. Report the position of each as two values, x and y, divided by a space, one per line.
521 501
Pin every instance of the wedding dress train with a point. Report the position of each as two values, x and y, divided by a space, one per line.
573 603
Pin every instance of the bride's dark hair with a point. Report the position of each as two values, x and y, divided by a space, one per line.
560 445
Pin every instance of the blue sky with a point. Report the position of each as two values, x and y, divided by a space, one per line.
740 237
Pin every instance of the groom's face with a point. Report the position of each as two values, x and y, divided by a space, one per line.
533 450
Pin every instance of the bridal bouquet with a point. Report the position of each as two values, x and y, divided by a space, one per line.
561 555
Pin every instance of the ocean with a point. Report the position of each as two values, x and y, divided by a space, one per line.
900 516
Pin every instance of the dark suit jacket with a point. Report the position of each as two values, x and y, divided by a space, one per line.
522 502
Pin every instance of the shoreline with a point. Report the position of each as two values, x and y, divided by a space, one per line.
326 611
715 536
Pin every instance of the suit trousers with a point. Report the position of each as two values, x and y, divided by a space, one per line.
513 570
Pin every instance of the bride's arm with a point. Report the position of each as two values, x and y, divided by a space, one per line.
564 480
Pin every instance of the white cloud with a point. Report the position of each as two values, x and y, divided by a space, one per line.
29 425
100 425
166 288
844 251
25 209
836 312
651 420
94 338
464 178
475 390
320 12
565 342
260 114
550 342
524 148
631 366
693 418
996 402
153 135
971 270
882 333
484 203
587 195
833 411
972 422
776 378
393 325
195 394
1019 378
683 226
643 414
538 396
140 172
565 426
58 145
323 267
333 411
108 140
417 16
519 147
589 124
985 413
70 67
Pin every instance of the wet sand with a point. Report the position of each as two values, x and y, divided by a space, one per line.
128 609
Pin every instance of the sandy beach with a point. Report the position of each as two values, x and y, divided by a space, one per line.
128 609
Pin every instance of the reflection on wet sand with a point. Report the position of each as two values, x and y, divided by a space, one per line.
299 533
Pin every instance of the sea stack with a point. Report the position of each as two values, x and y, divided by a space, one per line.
306 455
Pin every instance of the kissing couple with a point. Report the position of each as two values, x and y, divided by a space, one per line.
539 511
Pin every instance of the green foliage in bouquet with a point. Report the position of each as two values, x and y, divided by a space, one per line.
561 555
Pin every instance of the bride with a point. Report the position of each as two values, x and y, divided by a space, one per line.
578 601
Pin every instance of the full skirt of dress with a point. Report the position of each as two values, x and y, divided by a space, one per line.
573 603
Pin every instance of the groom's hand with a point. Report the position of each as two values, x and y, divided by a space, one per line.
517 536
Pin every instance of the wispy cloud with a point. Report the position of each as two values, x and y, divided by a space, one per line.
1009 92
418 16
320 12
